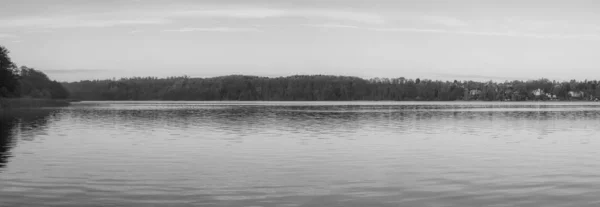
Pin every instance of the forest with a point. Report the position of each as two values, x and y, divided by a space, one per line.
24 82
327 88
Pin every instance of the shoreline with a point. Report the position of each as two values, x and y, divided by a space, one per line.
93 100
24 103
339 102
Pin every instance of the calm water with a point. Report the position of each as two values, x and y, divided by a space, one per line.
302 154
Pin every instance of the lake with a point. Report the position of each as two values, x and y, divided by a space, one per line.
302 154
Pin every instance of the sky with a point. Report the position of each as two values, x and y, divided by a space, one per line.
74 40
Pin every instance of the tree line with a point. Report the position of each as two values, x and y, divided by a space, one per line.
24 82
327 88
28 82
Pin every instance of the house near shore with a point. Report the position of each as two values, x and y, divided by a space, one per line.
474 92
576 94
537 92
551 96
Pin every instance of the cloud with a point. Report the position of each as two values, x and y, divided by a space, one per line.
259 13
444 21
166 16
341 26
504 34
39 31
344 15
213 29
74 22
589 36
3 36
233 13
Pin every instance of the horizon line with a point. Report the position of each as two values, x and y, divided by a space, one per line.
421 78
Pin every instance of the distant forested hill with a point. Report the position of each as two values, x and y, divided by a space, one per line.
326 88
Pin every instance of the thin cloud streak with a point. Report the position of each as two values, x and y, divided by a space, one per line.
2 36
261 13
444 21
361 17
119 18
460 32
341 26
249 13
75 22
213 29
504 34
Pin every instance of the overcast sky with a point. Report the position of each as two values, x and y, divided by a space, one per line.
464 39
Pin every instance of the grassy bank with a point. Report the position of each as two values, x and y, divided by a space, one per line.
15 103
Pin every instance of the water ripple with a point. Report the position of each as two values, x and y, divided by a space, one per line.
302 154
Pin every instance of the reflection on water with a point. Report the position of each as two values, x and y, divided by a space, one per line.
6 139
18 122
303 154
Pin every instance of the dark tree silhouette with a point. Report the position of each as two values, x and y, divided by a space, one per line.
26 82
9 80
35 84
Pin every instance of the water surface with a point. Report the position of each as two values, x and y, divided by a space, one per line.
302 154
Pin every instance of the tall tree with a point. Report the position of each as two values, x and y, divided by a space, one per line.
9 79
